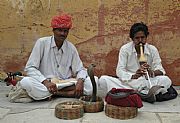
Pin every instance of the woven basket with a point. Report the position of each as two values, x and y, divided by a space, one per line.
69 110
119 112
92 107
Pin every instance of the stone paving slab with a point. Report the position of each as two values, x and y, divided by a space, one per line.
47 116
166 106
3 112
169 117
43 111
22 107
102 118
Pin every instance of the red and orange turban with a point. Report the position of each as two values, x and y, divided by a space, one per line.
61 21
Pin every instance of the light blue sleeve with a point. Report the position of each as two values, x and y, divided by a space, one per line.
33 63
121 70
77 66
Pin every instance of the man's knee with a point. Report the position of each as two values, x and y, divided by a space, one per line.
102 82
25 83
103 78
166 81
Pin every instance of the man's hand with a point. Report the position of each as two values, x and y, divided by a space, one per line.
50 86
141 71
148 69
136 76
145 66
79 88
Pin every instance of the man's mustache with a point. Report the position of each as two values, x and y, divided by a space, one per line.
141 43
62 36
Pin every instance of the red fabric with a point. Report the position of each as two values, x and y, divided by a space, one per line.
10 81
133 100
61 21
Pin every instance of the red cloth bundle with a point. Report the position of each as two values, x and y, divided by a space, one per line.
124 98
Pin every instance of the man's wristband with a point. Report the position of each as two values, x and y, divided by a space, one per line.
82 79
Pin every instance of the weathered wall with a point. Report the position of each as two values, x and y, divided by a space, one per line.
100 28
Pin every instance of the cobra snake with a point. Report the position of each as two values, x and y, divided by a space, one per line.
90 72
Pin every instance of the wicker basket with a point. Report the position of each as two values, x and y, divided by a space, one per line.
69 110
92 107
119 112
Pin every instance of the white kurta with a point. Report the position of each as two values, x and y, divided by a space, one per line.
46 61
127 66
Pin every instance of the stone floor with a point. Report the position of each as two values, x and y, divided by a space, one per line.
43 112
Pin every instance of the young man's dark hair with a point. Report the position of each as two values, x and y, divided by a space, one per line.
138 27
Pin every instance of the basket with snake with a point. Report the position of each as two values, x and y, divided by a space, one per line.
69 110
92 103
124 103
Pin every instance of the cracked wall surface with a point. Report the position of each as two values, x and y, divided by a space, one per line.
100 28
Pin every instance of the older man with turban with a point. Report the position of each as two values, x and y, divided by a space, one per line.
54 66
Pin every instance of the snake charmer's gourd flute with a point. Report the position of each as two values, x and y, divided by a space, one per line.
142 60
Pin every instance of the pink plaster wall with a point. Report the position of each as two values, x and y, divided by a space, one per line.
100 28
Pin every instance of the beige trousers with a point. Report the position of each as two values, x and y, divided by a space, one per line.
38 91
106 83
